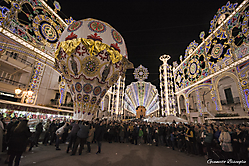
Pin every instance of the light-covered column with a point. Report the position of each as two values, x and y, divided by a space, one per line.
166 85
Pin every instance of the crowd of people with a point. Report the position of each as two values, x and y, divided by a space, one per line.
214 141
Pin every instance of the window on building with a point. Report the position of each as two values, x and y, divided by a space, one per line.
229 95
195 119
57 95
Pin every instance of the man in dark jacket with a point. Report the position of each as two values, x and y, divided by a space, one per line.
135 134
99 133
160 134
13 123
39 129
82 135
52 129
73 135
10 127
18 142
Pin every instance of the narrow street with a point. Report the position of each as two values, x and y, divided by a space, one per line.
114 154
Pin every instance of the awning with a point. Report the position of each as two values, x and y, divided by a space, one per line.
229 118
30 108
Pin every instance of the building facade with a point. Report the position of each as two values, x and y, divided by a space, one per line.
29 31
212 77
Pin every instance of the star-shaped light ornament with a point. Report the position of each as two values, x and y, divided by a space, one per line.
141 73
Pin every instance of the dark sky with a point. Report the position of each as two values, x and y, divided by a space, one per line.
150 28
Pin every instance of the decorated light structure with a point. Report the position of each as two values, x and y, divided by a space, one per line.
117 98
91 55
141 93
222 54
166 86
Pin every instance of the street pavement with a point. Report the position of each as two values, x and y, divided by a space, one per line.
113 154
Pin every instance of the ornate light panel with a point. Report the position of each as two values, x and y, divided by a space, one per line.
34 21
141 73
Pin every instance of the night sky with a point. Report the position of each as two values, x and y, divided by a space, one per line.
150 28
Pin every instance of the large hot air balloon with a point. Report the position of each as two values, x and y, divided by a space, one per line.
91 55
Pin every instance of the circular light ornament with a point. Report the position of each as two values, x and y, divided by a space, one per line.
193 68
217 51
48 32
141 73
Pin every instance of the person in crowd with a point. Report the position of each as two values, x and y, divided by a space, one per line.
236 143
4 143
208 137
225 143
131 128
172 139
135 134
46 128
2 130
181 138
99 133
38 131
10 127
18 142
200 140
73 134
140 135
121 133
189 136
244 144
167 135
160 134
65 133
149 131
59 132
90 138
155 135
144 126
52 129
110 132
82 135
216 135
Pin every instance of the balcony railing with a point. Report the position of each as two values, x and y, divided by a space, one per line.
235 100
16 56
12 82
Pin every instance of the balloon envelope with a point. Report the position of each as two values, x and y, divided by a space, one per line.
91 56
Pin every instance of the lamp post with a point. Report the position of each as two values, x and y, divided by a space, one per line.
26 94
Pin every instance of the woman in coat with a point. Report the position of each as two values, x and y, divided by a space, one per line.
90 138
18 142
208 141
225 142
